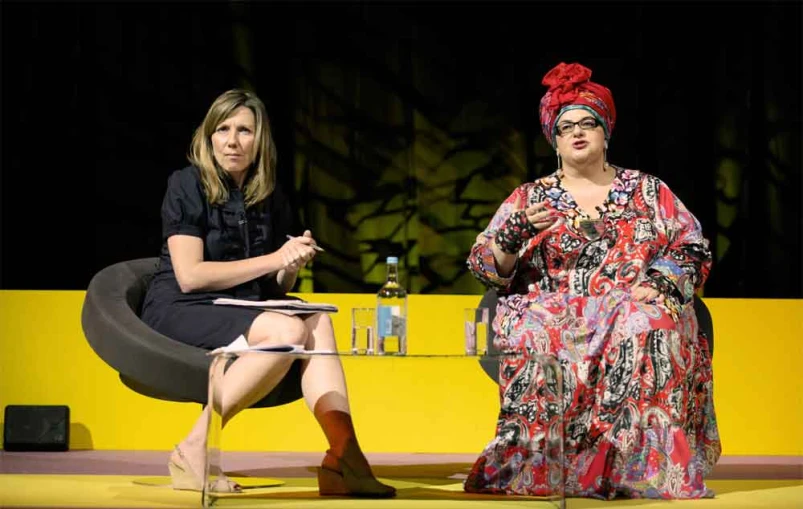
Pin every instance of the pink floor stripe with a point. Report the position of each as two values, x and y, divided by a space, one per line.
296 464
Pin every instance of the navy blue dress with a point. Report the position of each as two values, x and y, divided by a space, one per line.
229 232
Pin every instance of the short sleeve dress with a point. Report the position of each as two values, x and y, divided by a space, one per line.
229 232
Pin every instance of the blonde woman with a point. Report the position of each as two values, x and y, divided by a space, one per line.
225 223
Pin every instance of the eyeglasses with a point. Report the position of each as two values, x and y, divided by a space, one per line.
584 123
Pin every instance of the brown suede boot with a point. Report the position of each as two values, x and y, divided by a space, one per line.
345 470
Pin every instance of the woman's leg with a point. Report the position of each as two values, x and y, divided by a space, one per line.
252 377
345 470
247 380
324 385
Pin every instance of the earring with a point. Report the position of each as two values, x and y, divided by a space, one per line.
559 165
605 157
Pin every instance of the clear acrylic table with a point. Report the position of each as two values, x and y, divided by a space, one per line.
551 455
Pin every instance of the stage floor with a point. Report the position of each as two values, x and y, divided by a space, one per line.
112 479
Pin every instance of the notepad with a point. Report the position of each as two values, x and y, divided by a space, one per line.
286 306
240 345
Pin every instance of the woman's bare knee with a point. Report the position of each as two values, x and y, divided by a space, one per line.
322 334
275 328
320 322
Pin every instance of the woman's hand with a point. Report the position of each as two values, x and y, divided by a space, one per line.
643 292
540 216
296 252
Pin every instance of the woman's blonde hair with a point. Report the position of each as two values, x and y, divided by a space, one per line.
263 167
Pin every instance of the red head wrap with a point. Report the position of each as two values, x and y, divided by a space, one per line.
569 88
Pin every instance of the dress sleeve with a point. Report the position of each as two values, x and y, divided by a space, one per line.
685 263
183 206
481 261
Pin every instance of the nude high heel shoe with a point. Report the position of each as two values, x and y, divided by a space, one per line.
184 478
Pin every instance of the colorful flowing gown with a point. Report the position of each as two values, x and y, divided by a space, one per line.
638 393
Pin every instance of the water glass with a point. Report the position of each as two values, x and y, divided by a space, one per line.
475 325
362 331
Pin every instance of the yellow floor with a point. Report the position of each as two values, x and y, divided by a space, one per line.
122 491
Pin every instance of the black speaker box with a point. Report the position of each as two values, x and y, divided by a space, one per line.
36 428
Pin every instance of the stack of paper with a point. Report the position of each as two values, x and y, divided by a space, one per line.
240 345
287 306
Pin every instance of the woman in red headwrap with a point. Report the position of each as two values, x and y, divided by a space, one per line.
597 265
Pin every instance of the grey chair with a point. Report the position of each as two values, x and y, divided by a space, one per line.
490 364
149 363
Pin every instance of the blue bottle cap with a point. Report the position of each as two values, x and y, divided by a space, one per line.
392 259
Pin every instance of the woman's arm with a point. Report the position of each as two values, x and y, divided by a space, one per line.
495 264
684 265
194 274
286 278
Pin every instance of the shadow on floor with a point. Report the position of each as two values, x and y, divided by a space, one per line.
434 473
411 493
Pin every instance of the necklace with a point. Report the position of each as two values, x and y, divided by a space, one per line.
592 229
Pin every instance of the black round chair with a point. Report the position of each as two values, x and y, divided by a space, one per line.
148 362
490 364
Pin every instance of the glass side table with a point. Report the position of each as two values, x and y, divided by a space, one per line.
551 455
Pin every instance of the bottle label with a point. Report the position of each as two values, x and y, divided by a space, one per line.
388 318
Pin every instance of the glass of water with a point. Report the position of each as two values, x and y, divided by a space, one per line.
475 326
362 331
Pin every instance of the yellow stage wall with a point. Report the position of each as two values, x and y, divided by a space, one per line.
399 405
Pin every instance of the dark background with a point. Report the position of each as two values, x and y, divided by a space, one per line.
99 102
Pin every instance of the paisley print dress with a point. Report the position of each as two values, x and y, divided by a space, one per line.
638 391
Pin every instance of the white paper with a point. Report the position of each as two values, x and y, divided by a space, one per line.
287 306
240 345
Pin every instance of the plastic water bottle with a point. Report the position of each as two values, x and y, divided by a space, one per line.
391 313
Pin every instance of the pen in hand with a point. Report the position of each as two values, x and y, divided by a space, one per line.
314 246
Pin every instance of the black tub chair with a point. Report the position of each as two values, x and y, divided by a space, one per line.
148 362
491 364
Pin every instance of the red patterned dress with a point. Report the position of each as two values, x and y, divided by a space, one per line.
638 393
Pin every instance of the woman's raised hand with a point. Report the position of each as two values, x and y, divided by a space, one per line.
541 216
644 293
297 251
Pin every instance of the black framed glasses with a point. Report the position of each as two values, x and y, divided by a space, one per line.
585 124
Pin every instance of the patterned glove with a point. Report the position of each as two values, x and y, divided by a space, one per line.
515 230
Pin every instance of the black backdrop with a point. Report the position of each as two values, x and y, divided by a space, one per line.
99 102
